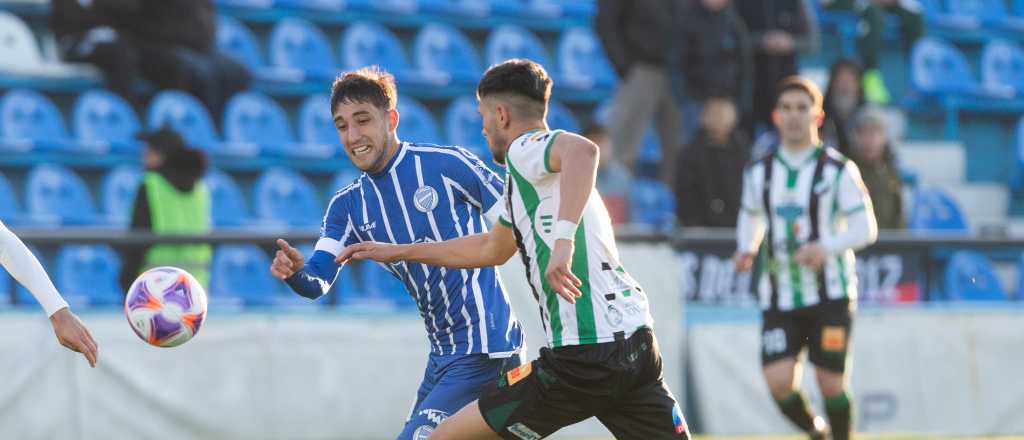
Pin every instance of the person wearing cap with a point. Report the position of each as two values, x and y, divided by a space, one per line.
873 154
172 200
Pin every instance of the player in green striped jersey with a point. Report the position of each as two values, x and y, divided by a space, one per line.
602 358
806 208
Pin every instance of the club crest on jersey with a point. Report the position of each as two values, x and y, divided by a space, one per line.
425 199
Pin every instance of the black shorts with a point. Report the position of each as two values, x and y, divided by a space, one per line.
618 382
823 328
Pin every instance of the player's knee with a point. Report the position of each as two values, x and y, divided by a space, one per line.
831 383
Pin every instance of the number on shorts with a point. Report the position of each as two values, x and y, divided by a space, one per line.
774 341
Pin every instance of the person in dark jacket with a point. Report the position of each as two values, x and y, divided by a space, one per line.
637 36
843 100
709 184
716 55
779 30
874 156
169 43
171 199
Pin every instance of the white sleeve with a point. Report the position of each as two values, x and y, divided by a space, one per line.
750 225
24 267
855 205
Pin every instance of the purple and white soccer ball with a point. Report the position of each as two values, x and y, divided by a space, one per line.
165 306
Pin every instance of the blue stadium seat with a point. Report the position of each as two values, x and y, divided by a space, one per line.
939 68
284 198
652 203
227 205
240 273
465 128
6 286
10 213
582 62
396 7
416 124
186 115
1002 68
313 5
1018 8
56 196
316 127
459 8
236 40
970 276
510 41
255 124
1018 179
991 13
88 274
938 15
935 210
443 52
295 43
561 118
382 288
248 4
1020 279
118 194
30 121
105 122
366 43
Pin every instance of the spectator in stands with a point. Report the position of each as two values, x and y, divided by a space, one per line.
613 178
709 185
870 28
779 30
172 199
843 100
169 43
716 56
638 35
873 154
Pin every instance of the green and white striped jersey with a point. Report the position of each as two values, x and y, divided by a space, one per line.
612 301
841 197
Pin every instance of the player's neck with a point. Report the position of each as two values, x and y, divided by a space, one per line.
389 153
520 128
798 146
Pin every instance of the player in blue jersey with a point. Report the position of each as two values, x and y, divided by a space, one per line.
411 192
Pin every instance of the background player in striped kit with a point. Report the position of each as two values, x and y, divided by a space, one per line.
412 192
807 209
602 358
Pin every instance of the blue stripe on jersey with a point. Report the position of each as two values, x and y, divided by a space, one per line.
426 193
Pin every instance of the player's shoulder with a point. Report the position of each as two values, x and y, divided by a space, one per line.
345 194
834 157
759 161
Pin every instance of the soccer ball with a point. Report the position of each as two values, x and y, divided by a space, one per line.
165 306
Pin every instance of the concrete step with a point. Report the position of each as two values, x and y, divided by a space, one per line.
984 204
936 163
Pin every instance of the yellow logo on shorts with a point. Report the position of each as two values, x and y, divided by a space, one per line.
519 373
833 338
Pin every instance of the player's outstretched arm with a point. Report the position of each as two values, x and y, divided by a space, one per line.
479 250
25 268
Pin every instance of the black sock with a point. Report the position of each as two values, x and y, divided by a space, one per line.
839 410
795 408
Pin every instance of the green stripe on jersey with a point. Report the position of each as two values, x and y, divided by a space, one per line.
547 151
532 201
840 260
586 327
795 277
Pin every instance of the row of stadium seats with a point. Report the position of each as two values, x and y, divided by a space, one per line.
939 68
1004 16
441 54
87 275
537 9
254 125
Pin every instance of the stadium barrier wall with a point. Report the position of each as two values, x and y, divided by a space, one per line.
288 374
928 370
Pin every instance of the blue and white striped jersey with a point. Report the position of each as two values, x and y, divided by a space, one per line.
426 193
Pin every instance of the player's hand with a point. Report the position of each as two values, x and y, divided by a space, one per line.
559 272
287 261
743 261
73 334
370 250
811 255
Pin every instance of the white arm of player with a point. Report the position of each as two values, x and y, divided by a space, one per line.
750 226
855 205
25 268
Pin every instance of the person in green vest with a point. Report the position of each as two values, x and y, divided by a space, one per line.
171 199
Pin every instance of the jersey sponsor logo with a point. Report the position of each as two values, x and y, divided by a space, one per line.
520 430
425 199
367 226
789 212
773 341
519 373
677 419
613 316
833 338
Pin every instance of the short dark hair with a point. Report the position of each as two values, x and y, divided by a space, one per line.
519 78
369 84
803 85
